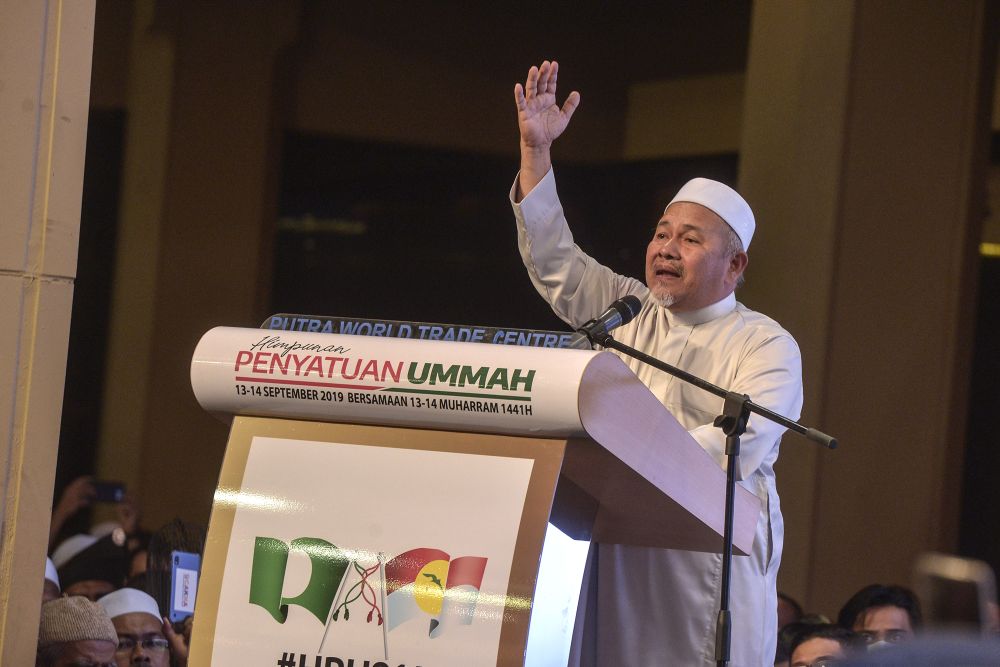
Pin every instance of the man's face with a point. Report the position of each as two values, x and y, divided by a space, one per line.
133 630
889 624
815 650
87 653
688 264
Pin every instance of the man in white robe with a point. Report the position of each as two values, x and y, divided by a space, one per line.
658 607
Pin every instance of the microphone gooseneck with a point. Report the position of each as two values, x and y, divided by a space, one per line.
622 311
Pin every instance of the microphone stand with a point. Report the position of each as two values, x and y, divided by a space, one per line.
733 422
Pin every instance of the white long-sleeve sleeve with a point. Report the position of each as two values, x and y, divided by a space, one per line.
575 285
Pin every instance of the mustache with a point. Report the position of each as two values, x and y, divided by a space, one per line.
669 266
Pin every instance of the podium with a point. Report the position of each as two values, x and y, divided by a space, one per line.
384 502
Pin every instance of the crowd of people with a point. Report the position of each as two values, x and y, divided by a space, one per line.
106 592
873 627
106 601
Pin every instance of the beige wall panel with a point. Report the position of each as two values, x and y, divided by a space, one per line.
859 155
790 164
53 189
40 372
33 424
899 340
60 198
20 91
865 164
45 77
11 287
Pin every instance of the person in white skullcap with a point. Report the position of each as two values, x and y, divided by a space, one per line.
657 606
140 628
70 547
91 566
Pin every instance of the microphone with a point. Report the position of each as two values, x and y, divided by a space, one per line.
618 313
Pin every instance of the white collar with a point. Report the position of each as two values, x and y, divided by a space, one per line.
692 318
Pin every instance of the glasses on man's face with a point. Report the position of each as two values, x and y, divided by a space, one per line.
128 644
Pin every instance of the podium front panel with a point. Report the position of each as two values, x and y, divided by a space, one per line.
336 542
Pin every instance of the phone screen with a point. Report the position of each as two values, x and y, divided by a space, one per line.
108 492
184 571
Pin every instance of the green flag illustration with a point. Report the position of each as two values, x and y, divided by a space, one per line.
270 558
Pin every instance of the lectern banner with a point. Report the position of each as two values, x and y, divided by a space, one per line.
367 553
390 381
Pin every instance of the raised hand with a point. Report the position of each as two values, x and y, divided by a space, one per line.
541 121
78 494
539 118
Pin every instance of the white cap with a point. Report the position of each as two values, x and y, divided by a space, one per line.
50 572
130 601
70 547
104 528
723 201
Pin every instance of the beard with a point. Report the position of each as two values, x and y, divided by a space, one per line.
663 297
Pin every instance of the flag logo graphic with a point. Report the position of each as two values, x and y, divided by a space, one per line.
420 583
427 582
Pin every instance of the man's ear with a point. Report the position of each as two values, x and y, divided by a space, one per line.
738 264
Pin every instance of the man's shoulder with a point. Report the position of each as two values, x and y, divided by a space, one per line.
759 324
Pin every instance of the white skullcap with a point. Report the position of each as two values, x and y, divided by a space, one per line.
723 201
70 547
50 572
130 601
104 528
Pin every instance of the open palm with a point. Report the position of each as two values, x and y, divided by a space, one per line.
539 118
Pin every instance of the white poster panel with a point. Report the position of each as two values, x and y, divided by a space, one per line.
379 555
